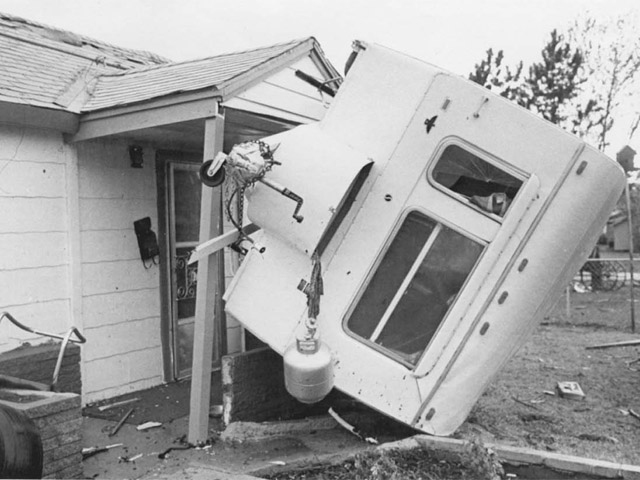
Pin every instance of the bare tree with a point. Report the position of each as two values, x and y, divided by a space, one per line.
611 51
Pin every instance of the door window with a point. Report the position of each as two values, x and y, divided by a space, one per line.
184 193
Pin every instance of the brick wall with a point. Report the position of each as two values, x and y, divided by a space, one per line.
58 418
37 363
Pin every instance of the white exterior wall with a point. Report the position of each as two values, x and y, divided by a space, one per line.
34 255
120 298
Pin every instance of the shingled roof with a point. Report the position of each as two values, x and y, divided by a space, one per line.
132 86
47 67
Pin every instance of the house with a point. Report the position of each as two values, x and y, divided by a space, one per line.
625 158
617 232
95 137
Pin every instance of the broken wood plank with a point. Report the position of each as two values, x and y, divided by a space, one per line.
115 429
209 338
624 343
117 404
212 246
148 425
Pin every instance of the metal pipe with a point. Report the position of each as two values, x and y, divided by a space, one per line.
629 223
74 330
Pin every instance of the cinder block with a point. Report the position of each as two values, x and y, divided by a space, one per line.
61 464
61 428
73 471
63 451
41 408
253 389
60 417
62 439
37 363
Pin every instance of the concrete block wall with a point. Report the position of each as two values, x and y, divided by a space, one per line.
37 364
58 418
253 390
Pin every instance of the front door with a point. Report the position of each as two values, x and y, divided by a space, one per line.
183 209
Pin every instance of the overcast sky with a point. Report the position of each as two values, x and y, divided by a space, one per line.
453 34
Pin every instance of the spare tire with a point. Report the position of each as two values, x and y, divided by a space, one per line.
20 445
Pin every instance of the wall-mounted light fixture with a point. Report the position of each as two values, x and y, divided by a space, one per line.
136 156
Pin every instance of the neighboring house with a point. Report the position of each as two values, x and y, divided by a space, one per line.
94 137
618 233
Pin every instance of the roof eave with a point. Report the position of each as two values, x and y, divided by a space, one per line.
165 110
38 117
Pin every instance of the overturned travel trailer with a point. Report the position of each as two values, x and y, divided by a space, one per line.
410 241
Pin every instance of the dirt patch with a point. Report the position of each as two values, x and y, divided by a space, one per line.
522 408
406 464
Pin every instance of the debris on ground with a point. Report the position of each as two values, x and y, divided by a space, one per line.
163 455
117 404
215 411
148 425
91 451
624 343
350 427
526 404
597 438
571 390
118 425
126 459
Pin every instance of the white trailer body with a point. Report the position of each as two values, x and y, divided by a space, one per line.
447 220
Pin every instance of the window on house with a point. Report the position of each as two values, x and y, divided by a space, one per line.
414 286
481 183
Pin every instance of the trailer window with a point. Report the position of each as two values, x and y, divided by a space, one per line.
414 287
481 183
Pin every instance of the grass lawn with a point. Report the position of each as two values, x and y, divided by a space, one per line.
515 410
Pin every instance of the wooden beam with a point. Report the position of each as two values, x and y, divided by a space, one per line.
216 244
208 294
95 126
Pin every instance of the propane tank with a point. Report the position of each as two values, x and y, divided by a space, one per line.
308 370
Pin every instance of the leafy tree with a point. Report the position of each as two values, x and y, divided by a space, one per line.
548 86
587 77
555 80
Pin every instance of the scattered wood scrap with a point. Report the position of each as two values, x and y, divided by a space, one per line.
624 343
115 429
117 404
91 451
525 403
148 425
342 422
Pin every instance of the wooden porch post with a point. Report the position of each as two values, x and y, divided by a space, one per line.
208 294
